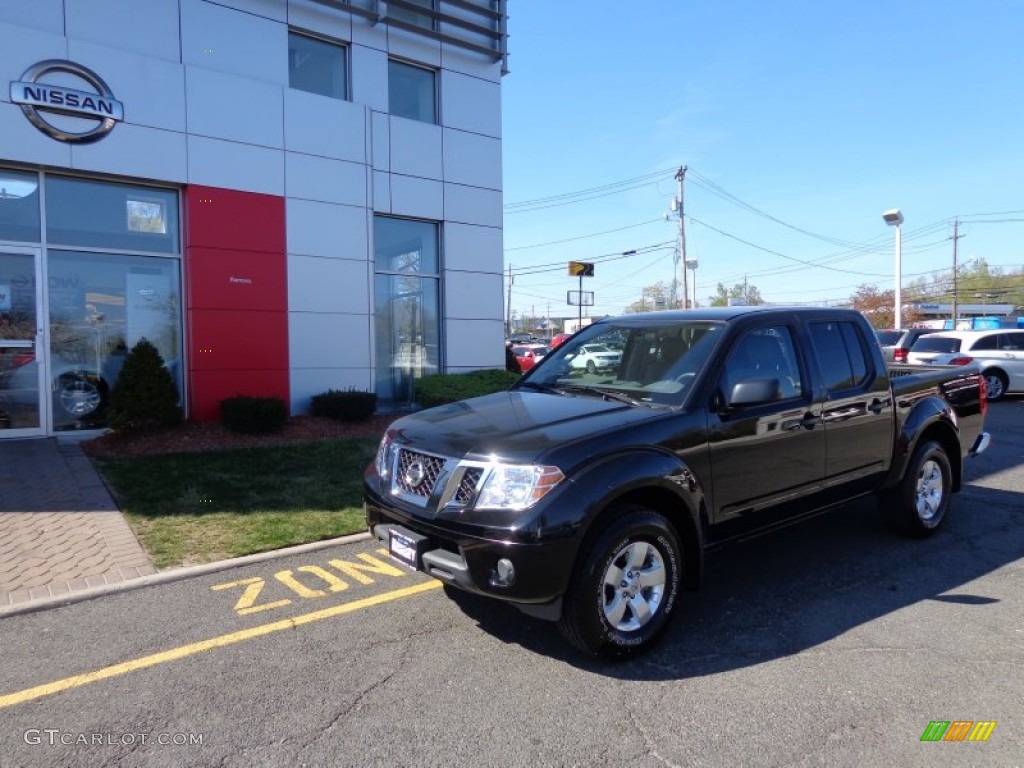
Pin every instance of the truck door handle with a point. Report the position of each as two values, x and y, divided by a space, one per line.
877 406
809 421
840 414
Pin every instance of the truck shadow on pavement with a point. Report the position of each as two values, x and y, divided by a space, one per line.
793 589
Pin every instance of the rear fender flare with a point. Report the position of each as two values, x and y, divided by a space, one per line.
932 417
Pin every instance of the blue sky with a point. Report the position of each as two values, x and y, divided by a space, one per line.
819 114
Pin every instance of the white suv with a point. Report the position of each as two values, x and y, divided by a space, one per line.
999 352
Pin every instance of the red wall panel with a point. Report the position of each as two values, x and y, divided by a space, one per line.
221 279
236 297
235 340
237 221
210 387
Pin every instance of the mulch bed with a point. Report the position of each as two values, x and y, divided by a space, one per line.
196 437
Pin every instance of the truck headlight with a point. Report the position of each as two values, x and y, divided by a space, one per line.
517 486
382 461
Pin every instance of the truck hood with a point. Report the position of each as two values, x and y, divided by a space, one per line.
517 427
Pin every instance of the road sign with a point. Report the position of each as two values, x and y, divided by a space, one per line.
579 298
581 269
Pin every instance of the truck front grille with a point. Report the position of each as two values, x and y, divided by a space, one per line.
417 472
467 486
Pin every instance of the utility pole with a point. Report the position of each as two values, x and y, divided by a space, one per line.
508 304
680 175
956 227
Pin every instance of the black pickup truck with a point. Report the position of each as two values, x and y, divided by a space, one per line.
589 492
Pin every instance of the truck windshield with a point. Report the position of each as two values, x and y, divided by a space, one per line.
651 364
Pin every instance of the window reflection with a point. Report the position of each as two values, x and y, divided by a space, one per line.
19 206
100 306
407 324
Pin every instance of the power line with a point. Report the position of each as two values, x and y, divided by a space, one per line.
582 237
586 194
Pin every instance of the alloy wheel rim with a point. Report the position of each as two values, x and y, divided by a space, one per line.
994 385
633 586
929 491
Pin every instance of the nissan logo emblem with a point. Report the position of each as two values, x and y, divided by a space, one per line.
415 474
37 98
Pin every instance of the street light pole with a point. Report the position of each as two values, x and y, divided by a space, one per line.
894 218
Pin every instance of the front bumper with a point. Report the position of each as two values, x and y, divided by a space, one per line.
470 560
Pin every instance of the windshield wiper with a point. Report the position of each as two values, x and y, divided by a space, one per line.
607 394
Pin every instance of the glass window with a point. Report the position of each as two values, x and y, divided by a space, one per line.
765 353
407 306
412 92
100 306
99 214
421 20
19 206
841 354
1013 340
317 66
405 245
986 342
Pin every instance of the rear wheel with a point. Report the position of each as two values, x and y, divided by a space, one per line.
625 587
591 367
919 505
995 384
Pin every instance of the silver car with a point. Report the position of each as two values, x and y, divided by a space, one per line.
999 352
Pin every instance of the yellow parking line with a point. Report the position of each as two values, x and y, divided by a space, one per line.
181 652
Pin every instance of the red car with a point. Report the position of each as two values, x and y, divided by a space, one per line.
558 338
529 356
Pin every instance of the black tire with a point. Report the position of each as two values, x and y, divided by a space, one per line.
996 383
591 367
625 587
920 503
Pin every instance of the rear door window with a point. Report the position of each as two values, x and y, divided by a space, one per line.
841 353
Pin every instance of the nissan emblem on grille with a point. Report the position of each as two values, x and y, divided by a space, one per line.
414 474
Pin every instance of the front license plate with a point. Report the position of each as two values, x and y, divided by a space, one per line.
402 548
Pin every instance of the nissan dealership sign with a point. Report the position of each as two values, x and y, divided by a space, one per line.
75 115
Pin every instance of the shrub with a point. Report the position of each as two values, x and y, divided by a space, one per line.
145 396
253 415
441 388
348 405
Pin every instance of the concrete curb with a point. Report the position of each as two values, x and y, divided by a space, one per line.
175 574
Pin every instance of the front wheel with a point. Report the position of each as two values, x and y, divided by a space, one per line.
625 587
919 505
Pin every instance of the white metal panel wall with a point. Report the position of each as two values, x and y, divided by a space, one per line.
44 15
149 27
205 89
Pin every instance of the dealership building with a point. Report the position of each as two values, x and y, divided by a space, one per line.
284 196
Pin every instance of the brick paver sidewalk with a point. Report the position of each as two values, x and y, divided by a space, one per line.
59 529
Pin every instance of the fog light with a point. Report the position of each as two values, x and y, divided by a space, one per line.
504 573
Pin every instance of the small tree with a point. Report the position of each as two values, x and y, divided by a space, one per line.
145 395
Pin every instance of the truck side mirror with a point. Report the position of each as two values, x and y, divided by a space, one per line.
753 392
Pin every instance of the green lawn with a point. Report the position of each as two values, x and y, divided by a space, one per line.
189 508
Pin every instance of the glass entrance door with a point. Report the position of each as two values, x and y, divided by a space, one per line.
21 365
